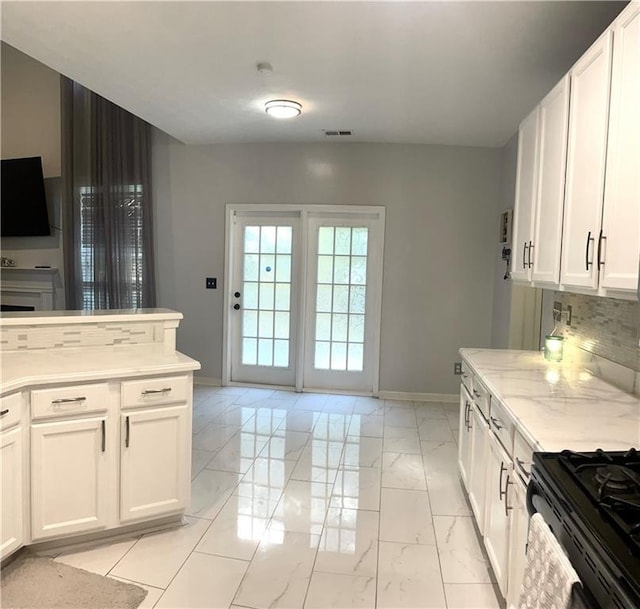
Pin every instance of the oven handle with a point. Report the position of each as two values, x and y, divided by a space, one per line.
531 491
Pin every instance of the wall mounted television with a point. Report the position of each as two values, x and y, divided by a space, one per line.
23 205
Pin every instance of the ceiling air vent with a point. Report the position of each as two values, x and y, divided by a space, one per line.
337 132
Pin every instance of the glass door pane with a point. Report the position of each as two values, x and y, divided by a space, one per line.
341 290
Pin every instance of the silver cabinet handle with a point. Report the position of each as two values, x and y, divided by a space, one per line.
507 507
521 464
127 432
152 391
104 435
501 493
3 412
497 423
69 400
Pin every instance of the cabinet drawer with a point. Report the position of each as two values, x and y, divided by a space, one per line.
70 400
10 410
502 426
522 456
155 391
481 398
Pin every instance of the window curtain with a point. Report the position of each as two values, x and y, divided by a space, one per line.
106 169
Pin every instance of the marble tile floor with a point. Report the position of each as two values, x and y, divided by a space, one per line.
313 501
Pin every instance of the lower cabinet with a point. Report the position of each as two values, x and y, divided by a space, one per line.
464 436
496 534
154 474
478 475
12 491
518 531
69 477
83 468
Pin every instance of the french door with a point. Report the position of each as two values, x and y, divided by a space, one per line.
303 299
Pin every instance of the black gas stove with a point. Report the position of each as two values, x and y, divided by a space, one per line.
591 501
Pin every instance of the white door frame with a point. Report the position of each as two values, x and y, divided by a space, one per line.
304 211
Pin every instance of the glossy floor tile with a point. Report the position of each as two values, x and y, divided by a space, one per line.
313 501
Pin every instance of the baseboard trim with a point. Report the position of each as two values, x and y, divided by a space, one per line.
450 398
207 380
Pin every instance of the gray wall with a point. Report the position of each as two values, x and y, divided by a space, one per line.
30 105
502 288
441 231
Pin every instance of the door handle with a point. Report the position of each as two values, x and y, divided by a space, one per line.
530 250
3 412
586 252
236 294
524 255
496 423
126 434
236 306
104 435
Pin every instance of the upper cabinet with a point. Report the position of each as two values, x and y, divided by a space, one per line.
621 217
526 181
586 154
554 117
585 158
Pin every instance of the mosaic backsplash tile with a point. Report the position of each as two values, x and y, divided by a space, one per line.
607 327
80 335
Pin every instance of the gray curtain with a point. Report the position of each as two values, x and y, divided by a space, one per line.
106 170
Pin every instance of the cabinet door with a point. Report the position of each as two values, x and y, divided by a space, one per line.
518 531
554 120
524 207
464 436
496 532
69 477
478 473
154 475
621 221
12 495
587 146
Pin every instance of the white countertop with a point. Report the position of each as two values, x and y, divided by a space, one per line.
558 405
35 318
44 366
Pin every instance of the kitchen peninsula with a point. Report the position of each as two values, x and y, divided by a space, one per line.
95 424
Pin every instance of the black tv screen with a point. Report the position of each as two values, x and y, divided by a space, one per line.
23 204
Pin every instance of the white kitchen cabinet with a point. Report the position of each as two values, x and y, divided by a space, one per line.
11 534
553 127
478 470
70 463
526 182
464 436
496 534
586 154
155 462
621 219
518 531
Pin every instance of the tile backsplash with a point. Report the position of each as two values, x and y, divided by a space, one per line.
606 327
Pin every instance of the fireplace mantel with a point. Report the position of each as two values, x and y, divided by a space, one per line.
29 287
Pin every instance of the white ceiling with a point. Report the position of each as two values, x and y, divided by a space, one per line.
443 72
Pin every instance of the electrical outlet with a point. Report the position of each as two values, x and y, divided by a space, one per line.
457 367
212 283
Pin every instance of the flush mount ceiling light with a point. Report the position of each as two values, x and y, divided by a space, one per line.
283 108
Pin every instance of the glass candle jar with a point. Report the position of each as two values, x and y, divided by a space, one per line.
553 348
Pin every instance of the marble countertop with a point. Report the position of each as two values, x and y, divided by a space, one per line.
21 369
558 405
38 318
